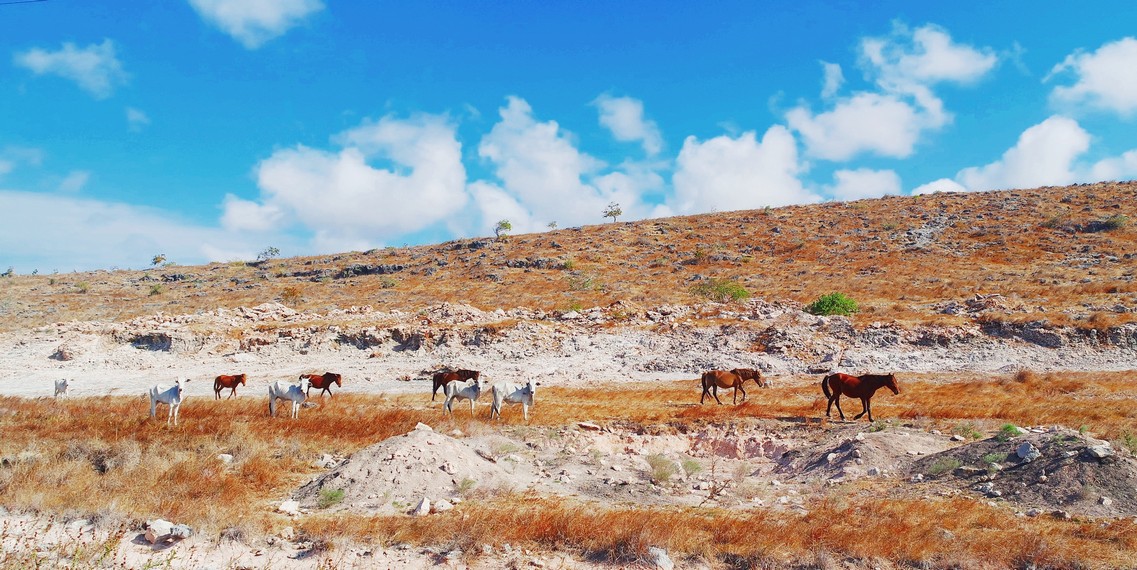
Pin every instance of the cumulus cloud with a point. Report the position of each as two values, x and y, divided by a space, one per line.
95 68
833 79
1122 167
941 185
624 116
541 168
864 183
1105 78
254 22
112 235
725 173
343 198
867 122
889 121
136 119
1044 155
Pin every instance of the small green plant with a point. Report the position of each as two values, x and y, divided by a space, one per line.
992 458
329 497
888 226
943 465
584 283
568 264
466 485
1115 222
575 306
662 468
967 430
82 286
596 455
387 283
1056 221
720 290
1082 429
1008 432
833 304
1129 442
691 467
156 289
291 295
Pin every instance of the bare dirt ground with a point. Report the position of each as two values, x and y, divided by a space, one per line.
776 464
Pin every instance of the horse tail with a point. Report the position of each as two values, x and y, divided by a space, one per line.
825 387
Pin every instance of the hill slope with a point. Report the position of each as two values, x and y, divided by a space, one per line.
1063 255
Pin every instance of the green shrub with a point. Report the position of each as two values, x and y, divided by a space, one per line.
82 286
1115 222
662 468
156 289
943 465
329 497
967 430
691 467
720 290
833 304
1008 432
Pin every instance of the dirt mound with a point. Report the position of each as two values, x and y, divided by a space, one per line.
1043 470
849 453
393 475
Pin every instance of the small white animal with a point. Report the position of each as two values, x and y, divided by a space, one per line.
292 392
463 390
61 387
509 393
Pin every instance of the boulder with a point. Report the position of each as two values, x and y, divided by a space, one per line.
422 509
1027 452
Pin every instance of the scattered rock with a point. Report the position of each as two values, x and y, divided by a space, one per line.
660 558
1027 452
422 509
290 508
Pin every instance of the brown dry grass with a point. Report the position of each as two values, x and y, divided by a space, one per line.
991 242
104 456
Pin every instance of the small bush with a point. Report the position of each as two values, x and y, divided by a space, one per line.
291 295
156 289
1114 222
833 304
943 465
387 283
691 467
967 430
662 468
720 290
329 497
82 286
1008 432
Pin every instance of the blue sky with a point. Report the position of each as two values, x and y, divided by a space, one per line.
209 130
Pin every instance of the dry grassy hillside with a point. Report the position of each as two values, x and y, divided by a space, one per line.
1066 255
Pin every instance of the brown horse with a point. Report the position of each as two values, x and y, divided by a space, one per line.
716 379
441 379
863 387
224 381
322 382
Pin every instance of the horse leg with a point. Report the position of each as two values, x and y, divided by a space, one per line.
739 387
864 409
837 400
715 393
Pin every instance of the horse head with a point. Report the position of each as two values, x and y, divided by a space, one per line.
333 377
890 383
304 383
241 378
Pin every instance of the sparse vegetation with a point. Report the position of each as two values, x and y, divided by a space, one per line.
82 286
292 295
502 228
155 289
158 259
720 290
943 465
329 498
1008 432
661 468
833 304
613 211
268 253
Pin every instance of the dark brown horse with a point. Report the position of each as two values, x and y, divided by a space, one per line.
231 382
863 387
445 377
322 382
716 379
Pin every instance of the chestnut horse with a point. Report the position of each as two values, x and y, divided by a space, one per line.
441 379
225 381
863 387
322 382
716 379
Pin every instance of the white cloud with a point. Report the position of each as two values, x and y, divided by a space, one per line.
254 22
834 79
864 183
136 119
925 56
866 122
941 185
74 181
95 68
495 204
890 121
1044 155
1106 78
725 173
1122 167
624 116
343 198
540 167
74 233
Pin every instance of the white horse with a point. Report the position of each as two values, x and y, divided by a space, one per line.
171 396
509 393
291 392
463 390
61 387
